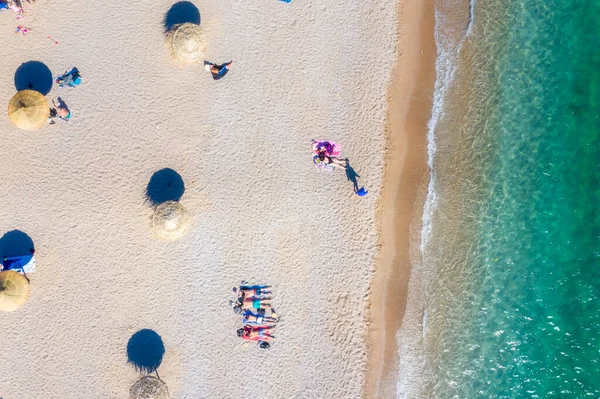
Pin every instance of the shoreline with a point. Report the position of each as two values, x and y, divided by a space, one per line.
410 98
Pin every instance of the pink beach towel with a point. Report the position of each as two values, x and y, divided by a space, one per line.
331 149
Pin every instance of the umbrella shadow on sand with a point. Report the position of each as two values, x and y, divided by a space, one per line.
145 351
165 185
15 243
180 13
34 75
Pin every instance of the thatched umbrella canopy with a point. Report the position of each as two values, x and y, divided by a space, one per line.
28 110
14 290
149 387
187 42
170 220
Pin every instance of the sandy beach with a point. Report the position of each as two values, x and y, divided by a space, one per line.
260 210
405 183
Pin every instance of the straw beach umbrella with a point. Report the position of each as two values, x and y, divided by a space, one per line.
28 110
149 387
187 42
14 290
170 220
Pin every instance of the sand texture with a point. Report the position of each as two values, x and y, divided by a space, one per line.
400 207
259 209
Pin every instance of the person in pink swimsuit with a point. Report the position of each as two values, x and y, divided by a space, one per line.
248 333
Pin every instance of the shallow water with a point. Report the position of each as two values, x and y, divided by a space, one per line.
512 261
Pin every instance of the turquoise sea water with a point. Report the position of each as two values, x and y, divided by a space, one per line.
513 309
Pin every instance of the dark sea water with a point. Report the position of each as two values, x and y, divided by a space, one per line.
512 248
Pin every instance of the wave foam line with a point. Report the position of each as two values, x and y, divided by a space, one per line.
445 65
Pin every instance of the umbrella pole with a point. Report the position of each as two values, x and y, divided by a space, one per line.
157 376
26 278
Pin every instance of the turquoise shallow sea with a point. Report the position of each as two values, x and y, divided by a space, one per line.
513 301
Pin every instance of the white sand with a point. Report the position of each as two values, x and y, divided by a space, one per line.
260 210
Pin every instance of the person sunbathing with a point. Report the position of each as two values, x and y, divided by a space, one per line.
71 78
323 160
260 304
217 71
256 319
252 291
255 334
60 111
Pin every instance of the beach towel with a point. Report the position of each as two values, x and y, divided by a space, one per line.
331 149
19 264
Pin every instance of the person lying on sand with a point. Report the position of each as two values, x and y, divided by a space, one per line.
256 319
252 291
70 78
61 111
217 71
260 304
322 160
255 303
255 334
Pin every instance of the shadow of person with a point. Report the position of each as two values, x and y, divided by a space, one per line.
352 176
145 350
180 13
34 75
165 185
15 243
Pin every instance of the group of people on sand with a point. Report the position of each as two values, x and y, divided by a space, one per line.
72 78
60 110
259 319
